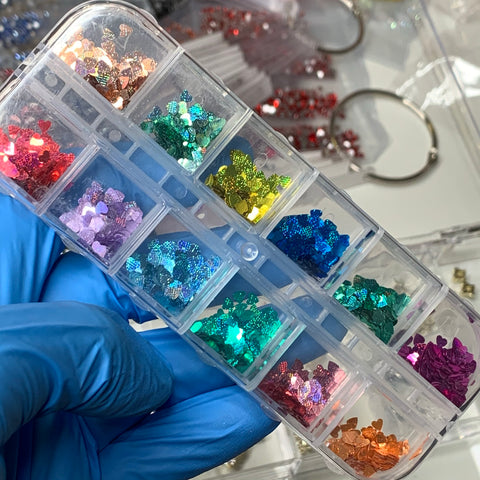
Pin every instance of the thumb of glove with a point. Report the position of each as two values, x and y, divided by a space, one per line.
75 357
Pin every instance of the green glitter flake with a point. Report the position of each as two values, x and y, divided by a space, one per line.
376 306
239 331
184 131
245 188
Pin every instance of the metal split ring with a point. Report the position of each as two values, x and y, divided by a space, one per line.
353 8
432 154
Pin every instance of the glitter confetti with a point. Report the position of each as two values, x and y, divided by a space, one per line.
32 159
103 220
367 450
299 392
311 242
245 188
239 331
185 130
171 272
115 77
448 369
376 306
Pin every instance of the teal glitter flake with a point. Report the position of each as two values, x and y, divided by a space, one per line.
184 131
239 331
171 272
376 306
311 242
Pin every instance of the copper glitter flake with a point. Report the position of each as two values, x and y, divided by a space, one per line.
245 188
115 77
367 450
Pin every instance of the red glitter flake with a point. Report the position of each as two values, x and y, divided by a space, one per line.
32 159
299 392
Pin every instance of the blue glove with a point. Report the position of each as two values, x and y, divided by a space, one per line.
85 396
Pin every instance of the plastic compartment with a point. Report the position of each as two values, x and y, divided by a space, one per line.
38 146
115 54
174 272
445 350
249 315
187 113
257 174
272 458
388 291
377 439
308 386
323 233
244 330
102 209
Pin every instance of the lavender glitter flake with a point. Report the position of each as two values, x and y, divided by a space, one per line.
102 220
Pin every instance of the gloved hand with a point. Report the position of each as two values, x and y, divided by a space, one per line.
83 395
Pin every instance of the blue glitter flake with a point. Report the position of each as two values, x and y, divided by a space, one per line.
311 242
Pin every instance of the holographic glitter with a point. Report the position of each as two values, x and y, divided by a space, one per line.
367 450
185 130
32 159
115 77
311 242
448 369
299 392
102 220
297 104
376 306
245 188
239 331
171 272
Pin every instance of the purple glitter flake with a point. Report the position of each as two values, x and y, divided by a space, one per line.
102 220
447 369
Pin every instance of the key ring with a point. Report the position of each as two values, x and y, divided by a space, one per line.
353 8
432 154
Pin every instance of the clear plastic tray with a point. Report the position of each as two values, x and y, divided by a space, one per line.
151 168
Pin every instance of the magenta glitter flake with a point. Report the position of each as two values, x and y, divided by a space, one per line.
302 393
447 369
103 220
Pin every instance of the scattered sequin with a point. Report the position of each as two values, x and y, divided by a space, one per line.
299 392
307 138
184 131
297 104
103 220
448 369
367 450
32 159
376 306
245 188
239 331
21 28
311 242
171 272
115 77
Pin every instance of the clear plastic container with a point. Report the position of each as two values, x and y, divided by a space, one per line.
267 299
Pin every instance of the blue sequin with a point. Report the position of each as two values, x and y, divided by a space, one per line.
311 242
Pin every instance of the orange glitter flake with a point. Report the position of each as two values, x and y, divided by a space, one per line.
367 450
